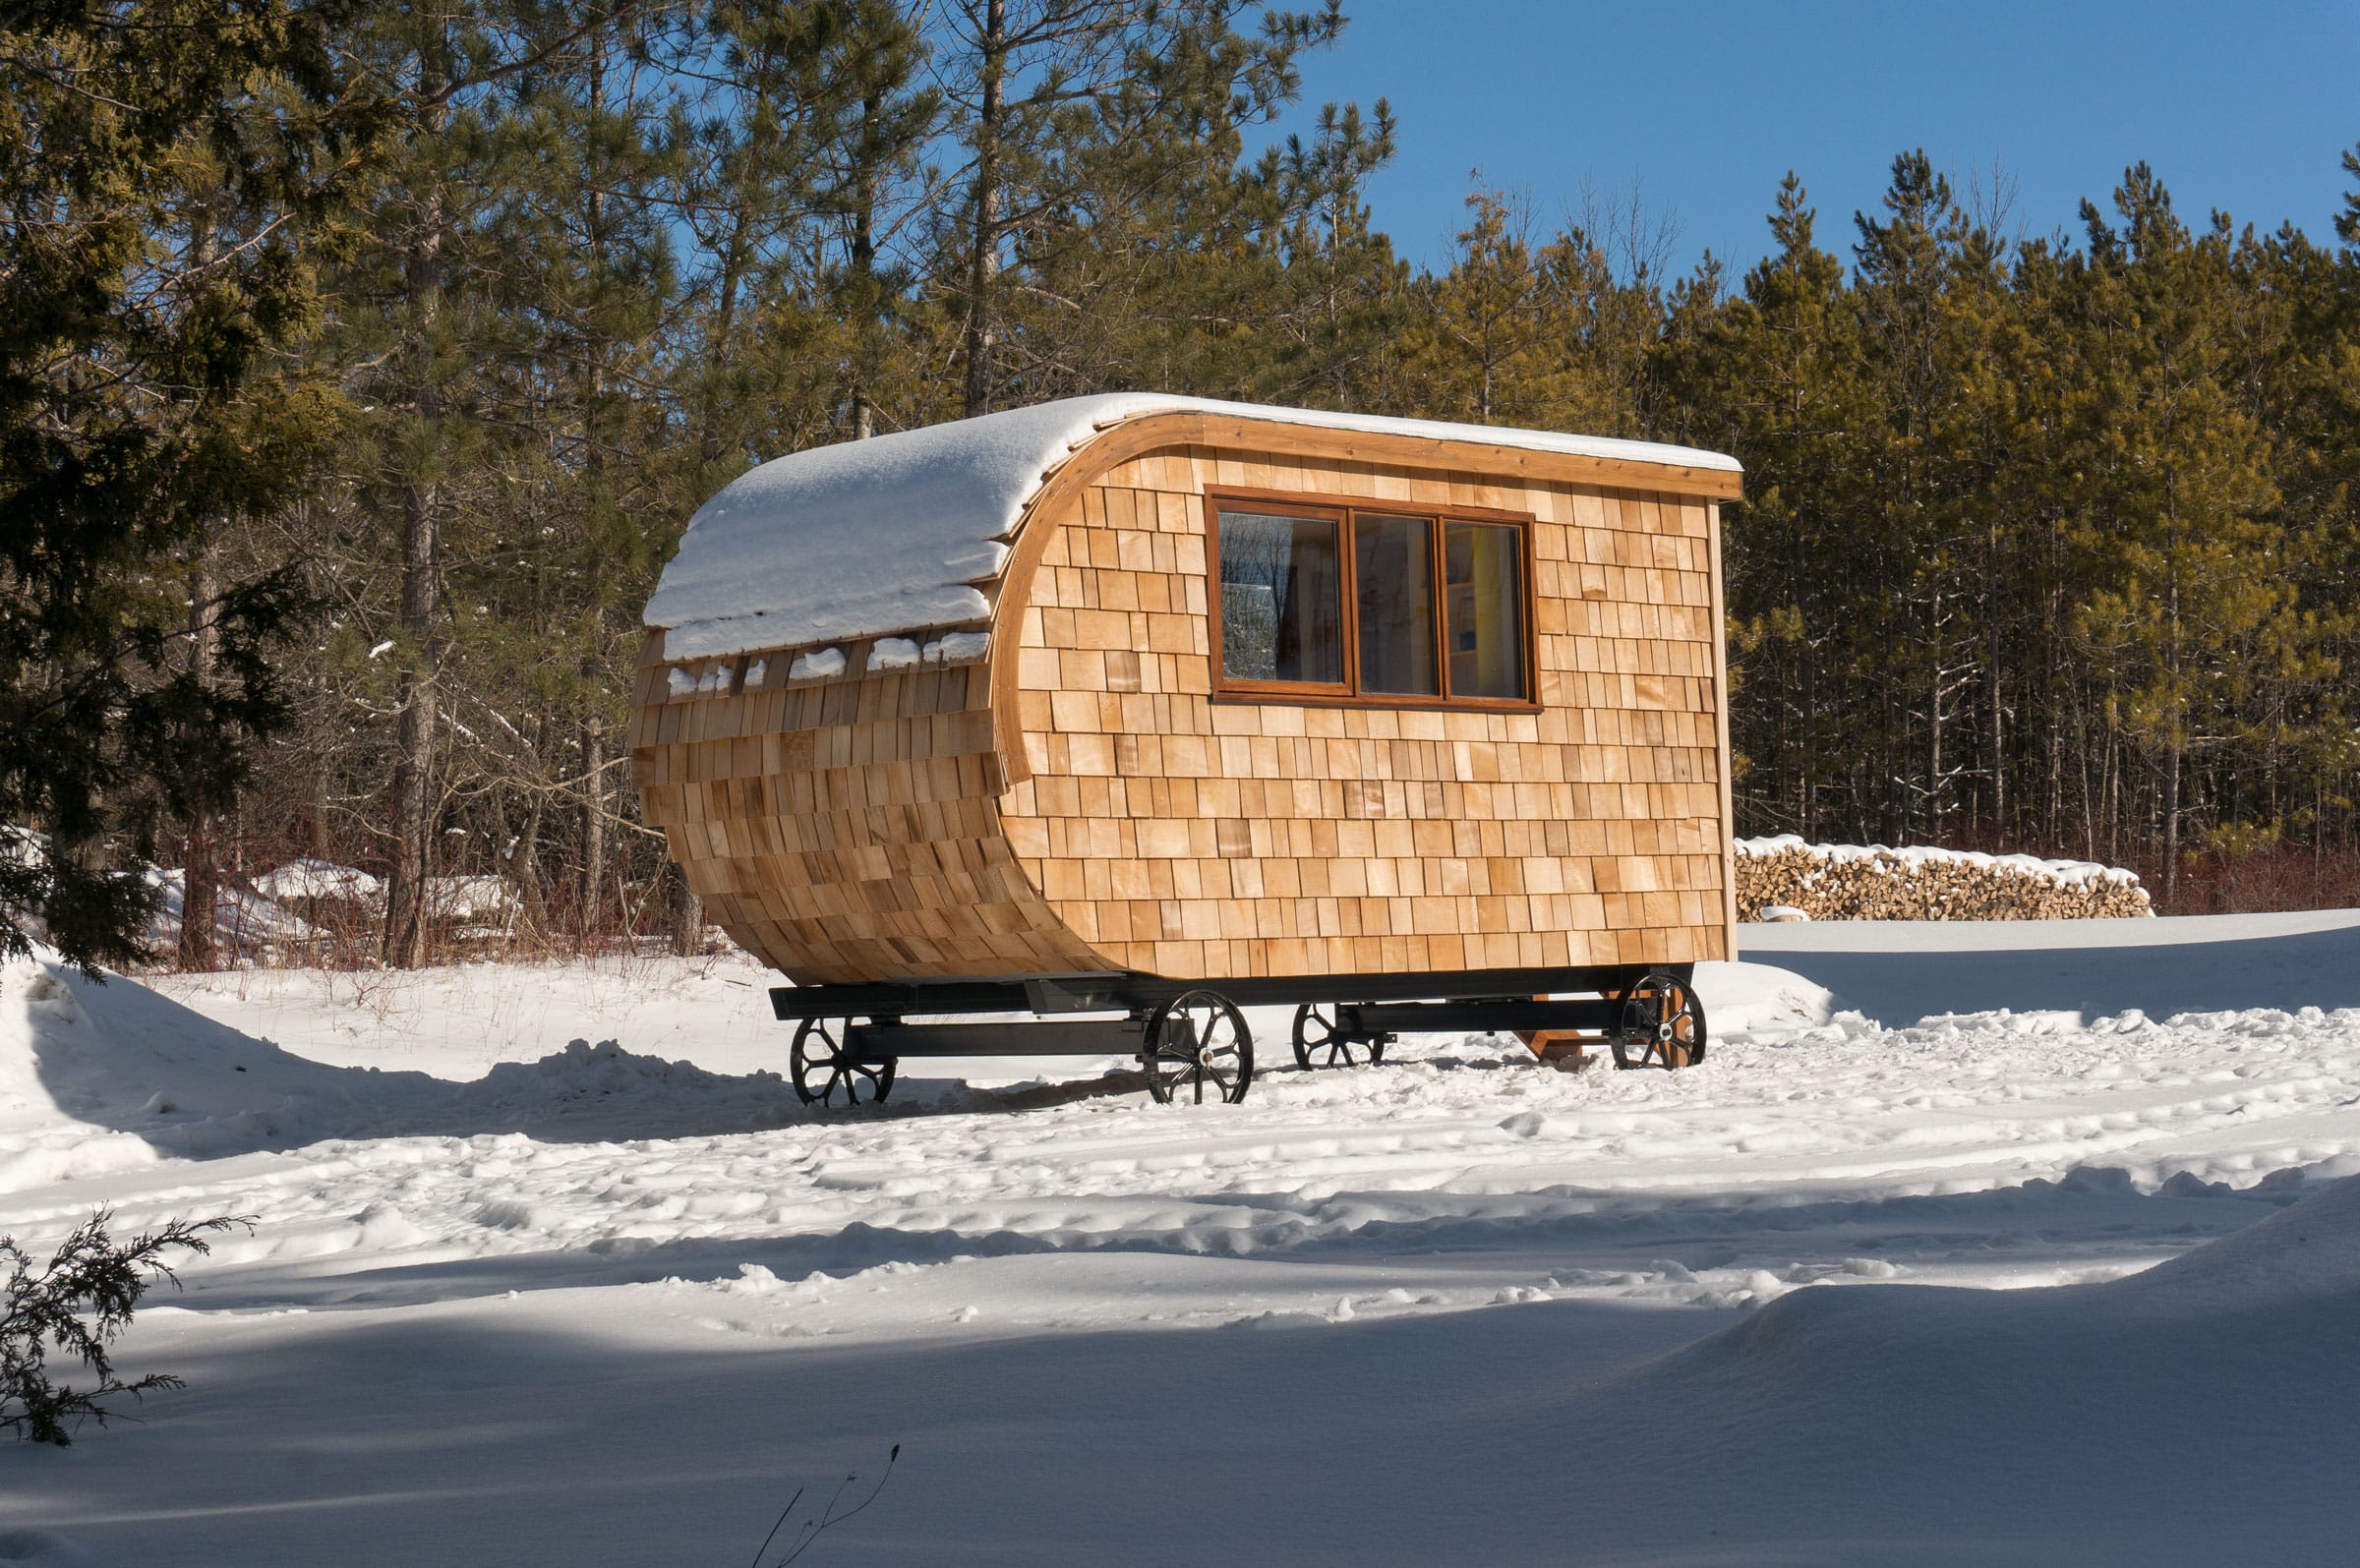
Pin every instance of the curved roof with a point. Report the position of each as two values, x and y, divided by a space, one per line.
893 534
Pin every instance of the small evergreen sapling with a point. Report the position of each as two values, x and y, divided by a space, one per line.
77 1303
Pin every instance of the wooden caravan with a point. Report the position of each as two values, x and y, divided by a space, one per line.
1110 703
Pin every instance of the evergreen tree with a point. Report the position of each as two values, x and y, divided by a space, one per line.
1486 348
593 290
2184 587
1152 271
164 170
1338 295
1774 376
1103 155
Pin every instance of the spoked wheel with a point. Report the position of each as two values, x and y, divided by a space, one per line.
1320 1042
1658 1022
824 1069
1195 1042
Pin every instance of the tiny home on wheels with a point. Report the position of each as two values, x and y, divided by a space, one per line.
1142 708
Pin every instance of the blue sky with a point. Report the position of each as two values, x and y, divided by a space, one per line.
1705 106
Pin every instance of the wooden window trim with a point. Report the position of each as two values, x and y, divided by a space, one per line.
1344 511
1346 620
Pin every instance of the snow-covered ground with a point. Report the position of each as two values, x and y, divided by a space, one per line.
1898 971
511 1299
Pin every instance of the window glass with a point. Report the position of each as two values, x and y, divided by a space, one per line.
1281 599
1483 603
1392 578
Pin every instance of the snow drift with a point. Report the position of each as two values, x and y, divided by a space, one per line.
2204 1411
247 926
96 1078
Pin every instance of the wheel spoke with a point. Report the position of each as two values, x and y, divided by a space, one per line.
1200 1037
1163 1074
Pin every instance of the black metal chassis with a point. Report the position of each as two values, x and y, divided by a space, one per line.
1369 1007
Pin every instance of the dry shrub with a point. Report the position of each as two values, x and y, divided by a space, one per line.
2280 877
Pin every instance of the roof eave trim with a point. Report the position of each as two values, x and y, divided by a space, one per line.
1118 441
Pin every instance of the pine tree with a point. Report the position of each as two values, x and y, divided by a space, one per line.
871 151
1147 272
1774 376
1338 295
165 169
1020 78
1489 337
1103 154
597 277
423 200
2183 585
1917 490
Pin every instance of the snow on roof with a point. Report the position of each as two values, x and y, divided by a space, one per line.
892 534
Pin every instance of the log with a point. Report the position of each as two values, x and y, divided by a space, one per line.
1847 882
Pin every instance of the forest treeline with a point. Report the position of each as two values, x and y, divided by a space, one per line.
360 363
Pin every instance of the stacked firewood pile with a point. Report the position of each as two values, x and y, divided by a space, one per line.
1791 879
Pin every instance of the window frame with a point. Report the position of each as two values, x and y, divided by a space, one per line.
1345 512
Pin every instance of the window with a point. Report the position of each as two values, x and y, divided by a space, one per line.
1281 617
1482 577
1392 581
1368 605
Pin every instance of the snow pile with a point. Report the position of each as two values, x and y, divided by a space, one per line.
476 900
320 881
97 1079
246 925
1853 882
893 534
322 887
584 1078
